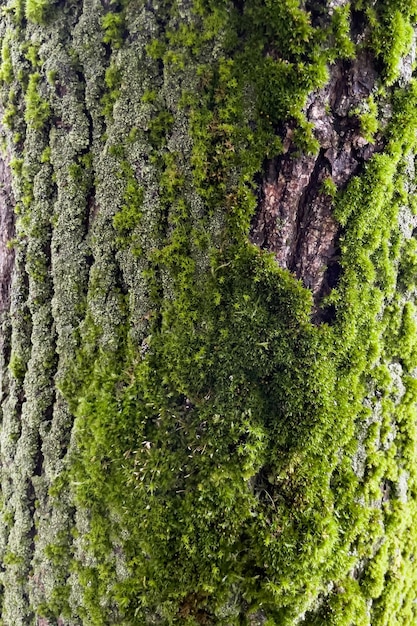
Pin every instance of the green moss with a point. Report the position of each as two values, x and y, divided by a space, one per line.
9 116
227 452
113 25
17 367
125 221
32 55
6 68
392 33
46 155
340 31
229 457
16 165
368 117
408 265
113 82
37 11
329 187
37 109
156 49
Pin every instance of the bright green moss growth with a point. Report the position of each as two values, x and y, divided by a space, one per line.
17 367
6 68
112 81
329 187
37 109
368 118
392 32
408 265
181 443
113 26
36 11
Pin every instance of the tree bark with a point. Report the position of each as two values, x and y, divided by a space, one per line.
208 267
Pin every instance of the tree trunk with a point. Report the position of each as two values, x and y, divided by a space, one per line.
208 265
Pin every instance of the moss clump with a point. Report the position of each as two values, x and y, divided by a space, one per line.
17 367
391 24
113 25
230 460
37 11
408 265
37 108
329 187
368 117
223 416
6 68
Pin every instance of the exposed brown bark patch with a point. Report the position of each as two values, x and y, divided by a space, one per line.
294 219
190 607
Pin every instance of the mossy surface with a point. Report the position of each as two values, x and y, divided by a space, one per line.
180 443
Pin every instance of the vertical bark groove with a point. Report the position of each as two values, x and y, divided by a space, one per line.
7 231
294 218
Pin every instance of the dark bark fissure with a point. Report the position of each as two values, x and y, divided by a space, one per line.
90 194
294 219
7 260
7 232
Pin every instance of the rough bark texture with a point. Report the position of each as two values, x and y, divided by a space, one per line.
295 218
208 262
7 233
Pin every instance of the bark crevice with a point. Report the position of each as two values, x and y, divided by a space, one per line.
7 233
294 218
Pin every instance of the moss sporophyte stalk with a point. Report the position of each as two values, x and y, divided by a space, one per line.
191 432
